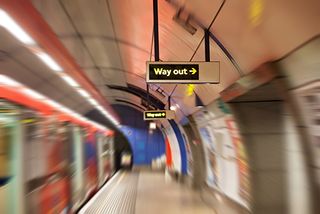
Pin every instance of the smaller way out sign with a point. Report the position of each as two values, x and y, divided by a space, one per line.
158 114
183 72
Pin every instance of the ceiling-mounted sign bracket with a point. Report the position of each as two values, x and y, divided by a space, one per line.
156 43
158 115
207 45
183 72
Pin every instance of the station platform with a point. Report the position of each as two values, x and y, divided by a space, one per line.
146 192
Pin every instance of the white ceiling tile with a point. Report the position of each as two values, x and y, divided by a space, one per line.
62 86
11 69
31 62
77 50
9 43
82 109
95 75
90 17
53 13
105 52
50 91
114 76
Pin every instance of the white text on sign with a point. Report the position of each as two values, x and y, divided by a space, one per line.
167 72
153 115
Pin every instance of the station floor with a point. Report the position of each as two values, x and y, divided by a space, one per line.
146 192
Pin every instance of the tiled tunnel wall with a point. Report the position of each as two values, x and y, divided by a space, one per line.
145 146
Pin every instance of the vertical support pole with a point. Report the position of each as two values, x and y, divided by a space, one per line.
207 44
156 30
169 102
156 38
148 97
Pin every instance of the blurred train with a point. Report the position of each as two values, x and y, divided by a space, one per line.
50 161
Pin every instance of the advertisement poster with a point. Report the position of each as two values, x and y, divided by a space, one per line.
212 168
189 156
309 98
188 150
242 159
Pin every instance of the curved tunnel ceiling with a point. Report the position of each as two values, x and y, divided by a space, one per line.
111 41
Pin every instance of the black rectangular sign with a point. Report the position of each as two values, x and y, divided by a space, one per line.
183 72
173 71
155 115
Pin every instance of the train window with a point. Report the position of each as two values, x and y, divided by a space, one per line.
5 150
33 141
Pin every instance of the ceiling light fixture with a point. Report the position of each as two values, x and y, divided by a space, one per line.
83 93
53 103
100 109
173 108
93 102
152 125
70 81
49 61
8 23
33 94
8 81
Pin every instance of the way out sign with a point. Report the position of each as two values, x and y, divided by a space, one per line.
158 114
183 72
